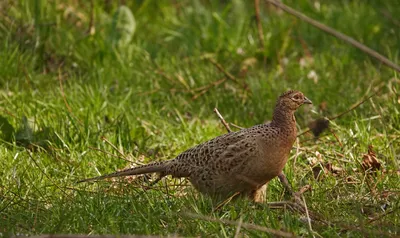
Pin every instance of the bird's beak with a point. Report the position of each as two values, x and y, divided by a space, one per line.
307 101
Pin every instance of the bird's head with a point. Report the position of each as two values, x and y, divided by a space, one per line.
292 100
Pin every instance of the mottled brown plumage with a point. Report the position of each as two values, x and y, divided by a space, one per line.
241 161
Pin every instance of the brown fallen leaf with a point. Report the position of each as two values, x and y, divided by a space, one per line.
246 65
323 106
325 168
318 172
370 162
321 168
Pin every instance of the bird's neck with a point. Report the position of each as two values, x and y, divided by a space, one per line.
283 117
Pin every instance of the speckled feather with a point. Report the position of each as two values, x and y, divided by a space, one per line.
239 161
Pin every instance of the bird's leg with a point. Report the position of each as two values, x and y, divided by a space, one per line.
288 188
285 183
295 195
296 203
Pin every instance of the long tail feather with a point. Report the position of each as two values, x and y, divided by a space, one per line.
159 167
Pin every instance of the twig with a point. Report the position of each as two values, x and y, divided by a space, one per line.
308 215
248 226
389 16
62 92
259 26
281 204
336 137
297 206
239 226
236 126
354 106
337 34
91 30
215 83
205 89
166 76
148 92
220 68
113 146
305 47
260 30
303 190
226 73
222 120
9 113
299 194
226 201
108 153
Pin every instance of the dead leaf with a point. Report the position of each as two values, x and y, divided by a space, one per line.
323 106
246 65
325 168
370 162
320 168
318 172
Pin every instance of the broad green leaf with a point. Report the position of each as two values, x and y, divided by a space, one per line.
123 27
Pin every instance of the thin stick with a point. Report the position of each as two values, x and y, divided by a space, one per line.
113 146
205 89
239 226
222 120
337 138
108 153
220 68
308 215
226 201
62 92
387 14
236 126
215 83
354 106
91 30
260 30
248 226
337 34
259 26
9 113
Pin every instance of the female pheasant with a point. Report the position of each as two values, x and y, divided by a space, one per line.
236 162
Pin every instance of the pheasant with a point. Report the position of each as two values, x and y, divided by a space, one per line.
237 162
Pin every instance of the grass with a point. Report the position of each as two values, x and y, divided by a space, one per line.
64 87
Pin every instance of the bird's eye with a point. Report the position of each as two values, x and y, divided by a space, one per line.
296 97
